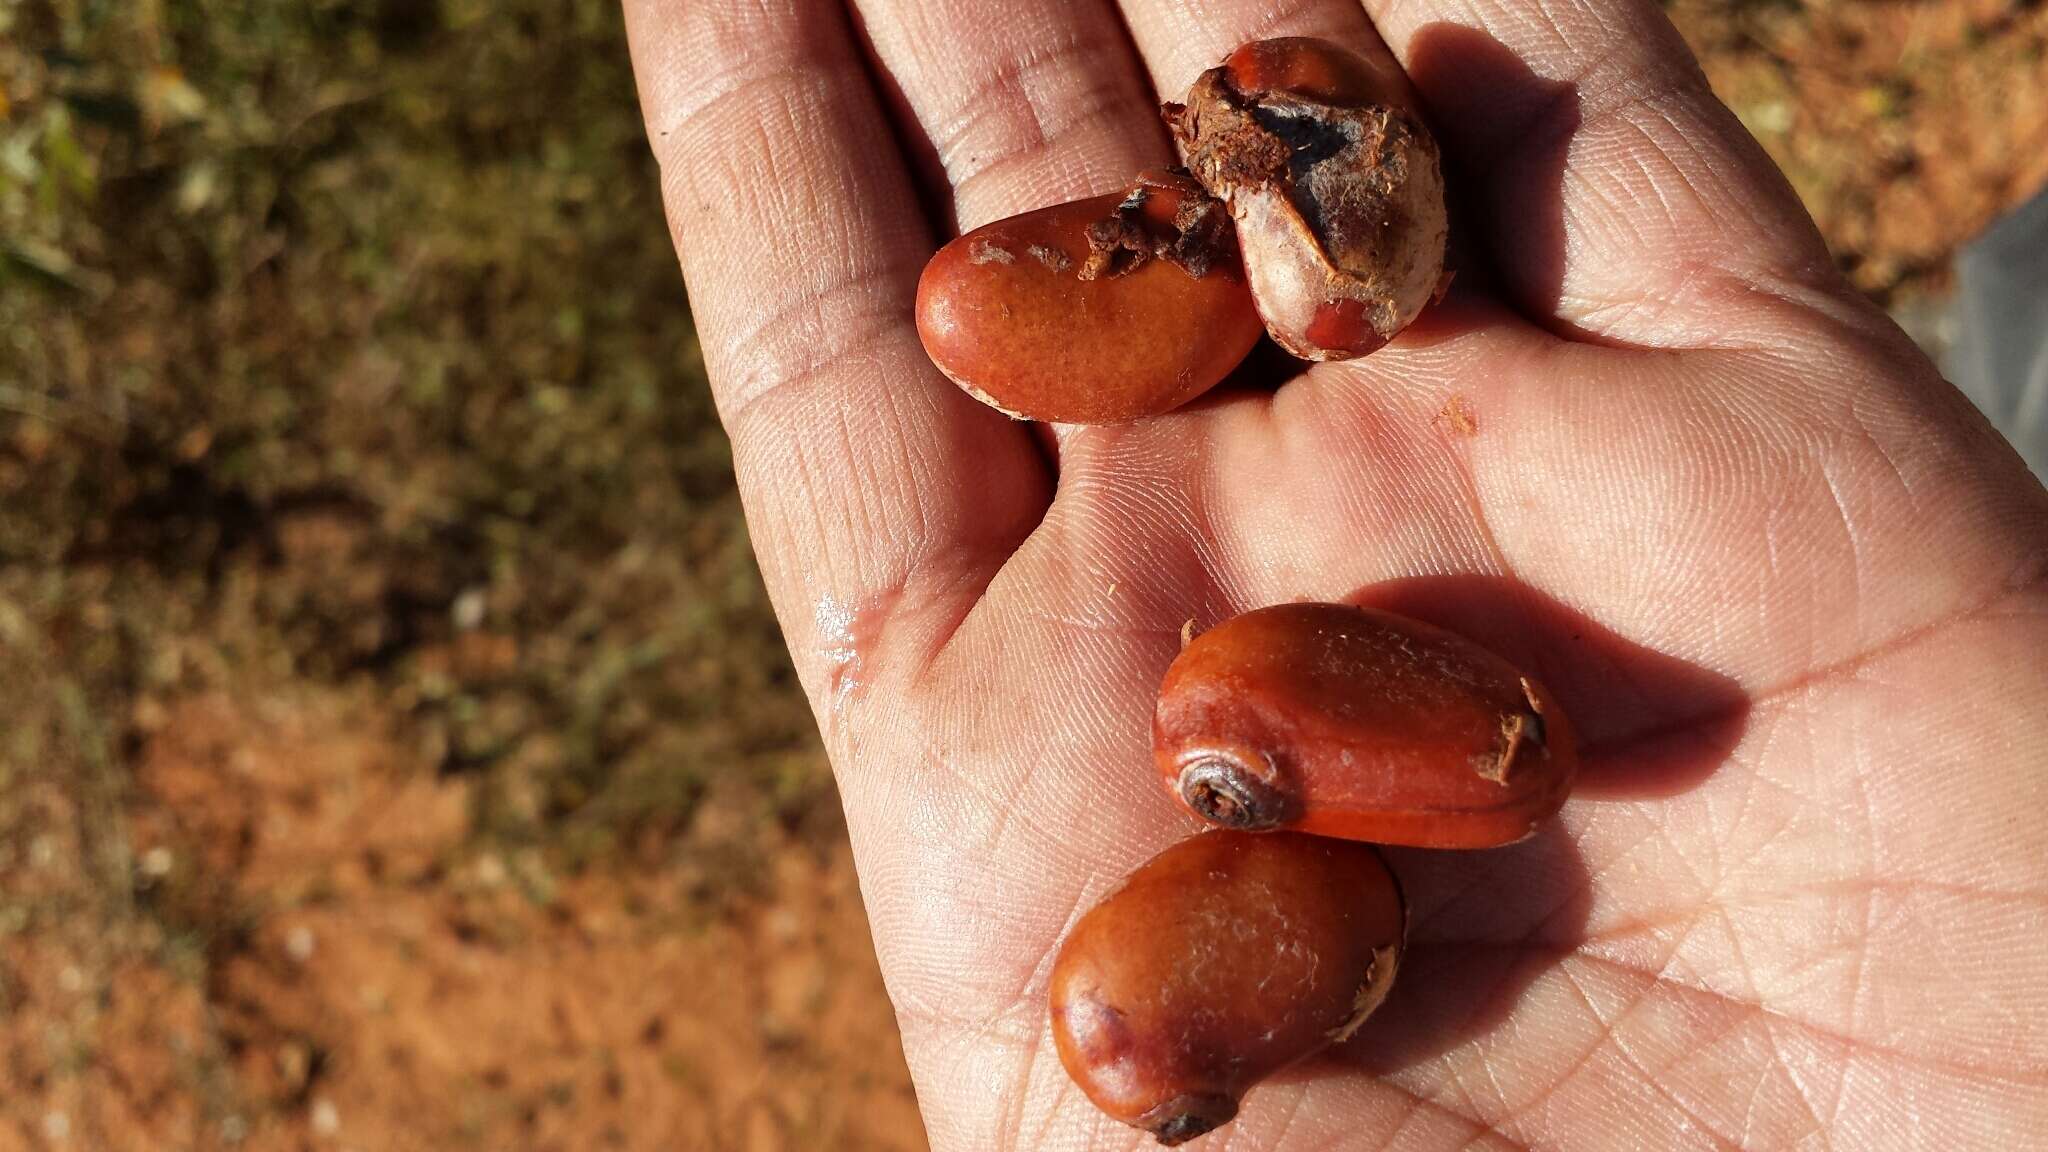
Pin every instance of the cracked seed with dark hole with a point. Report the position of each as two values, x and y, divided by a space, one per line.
1335 184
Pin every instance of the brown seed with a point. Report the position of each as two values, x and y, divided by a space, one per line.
1350 722
1095 312
1335 184
1218 962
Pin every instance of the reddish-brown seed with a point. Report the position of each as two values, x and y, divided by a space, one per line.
1335 185
1350 722
1095 312
1219 961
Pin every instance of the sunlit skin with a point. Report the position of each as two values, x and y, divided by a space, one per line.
1651 448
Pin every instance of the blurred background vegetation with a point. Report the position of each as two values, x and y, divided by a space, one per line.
367 542
335 331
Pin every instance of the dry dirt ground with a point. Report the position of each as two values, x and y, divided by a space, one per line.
329 964
395 750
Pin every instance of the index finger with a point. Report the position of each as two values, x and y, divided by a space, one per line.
1624 200
871 484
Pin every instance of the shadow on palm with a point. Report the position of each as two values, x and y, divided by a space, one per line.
1483 926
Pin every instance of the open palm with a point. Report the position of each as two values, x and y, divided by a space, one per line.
1788 587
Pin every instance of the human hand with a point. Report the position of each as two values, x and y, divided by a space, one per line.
1785 582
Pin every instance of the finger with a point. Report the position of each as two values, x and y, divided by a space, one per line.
1621 198
876 492
1023 105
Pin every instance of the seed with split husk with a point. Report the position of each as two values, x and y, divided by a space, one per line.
1098 311
1351 722
1218 962
1335 184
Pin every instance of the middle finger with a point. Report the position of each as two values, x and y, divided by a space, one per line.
1180 39
1024 105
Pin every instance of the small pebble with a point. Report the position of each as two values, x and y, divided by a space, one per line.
326 1119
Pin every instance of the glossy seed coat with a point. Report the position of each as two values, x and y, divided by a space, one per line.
1335 184
1351 722
1218 962
1099 311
